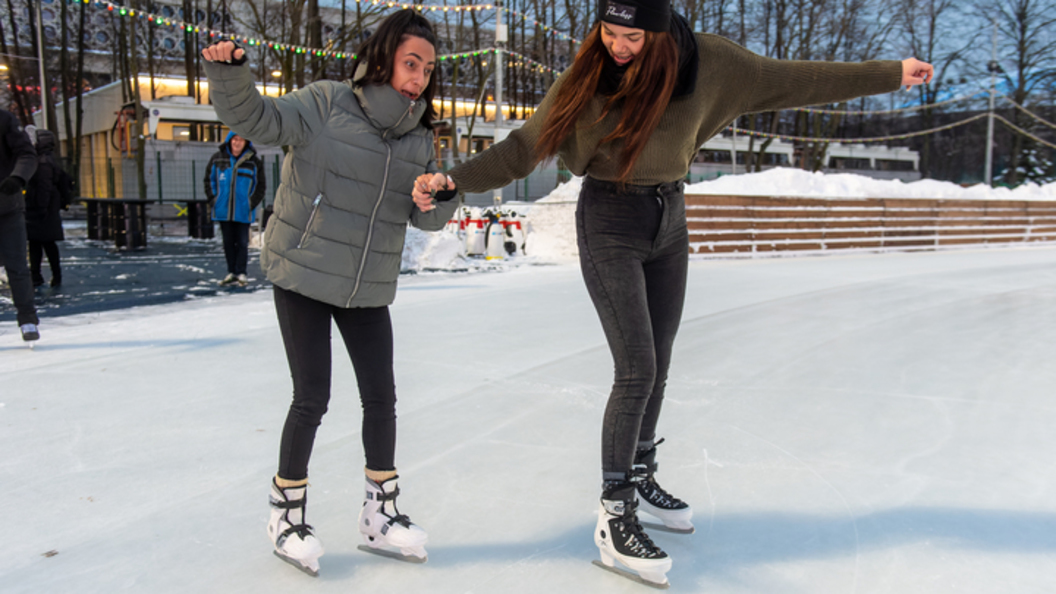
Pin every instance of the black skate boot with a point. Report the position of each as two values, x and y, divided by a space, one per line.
672 511
620 537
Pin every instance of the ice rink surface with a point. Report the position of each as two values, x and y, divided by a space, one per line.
846 424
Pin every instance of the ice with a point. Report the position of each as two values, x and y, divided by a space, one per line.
853 423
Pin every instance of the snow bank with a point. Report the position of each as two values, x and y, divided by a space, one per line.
797 182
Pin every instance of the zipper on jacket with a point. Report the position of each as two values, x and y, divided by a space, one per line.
311 217
377 205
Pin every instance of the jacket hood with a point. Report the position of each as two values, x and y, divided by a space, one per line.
45 141
227 143
386 108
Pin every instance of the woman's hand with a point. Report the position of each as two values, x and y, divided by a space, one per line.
223 51
422 193
915 72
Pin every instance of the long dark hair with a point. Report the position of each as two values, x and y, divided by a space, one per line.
379 51
644 93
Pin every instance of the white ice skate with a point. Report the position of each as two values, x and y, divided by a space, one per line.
620 537
293 539
386 531
674 513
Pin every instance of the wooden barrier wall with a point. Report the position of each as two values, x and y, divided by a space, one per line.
742 226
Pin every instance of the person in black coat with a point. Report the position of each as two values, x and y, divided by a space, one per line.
47 193
18 161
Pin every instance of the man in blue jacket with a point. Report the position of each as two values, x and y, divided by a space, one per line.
234 185
18 161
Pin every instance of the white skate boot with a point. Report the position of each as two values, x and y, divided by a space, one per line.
620 537
672 511
385 529
293 539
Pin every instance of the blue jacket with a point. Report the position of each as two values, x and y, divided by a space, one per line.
234 197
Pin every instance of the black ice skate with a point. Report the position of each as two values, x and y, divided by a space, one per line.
293 539
620 537
674 513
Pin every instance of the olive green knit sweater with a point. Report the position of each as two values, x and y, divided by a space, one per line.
731 81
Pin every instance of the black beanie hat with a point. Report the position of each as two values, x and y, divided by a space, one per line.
651 15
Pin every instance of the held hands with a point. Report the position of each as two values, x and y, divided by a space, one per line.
915 72
223 51
426 187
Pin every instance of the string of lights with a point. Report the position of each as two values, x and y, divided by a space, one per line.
887 111
1016 128
1028 112
163 21
550 30
863 140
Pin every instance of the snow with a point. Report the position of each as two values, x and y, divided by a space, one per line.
855 423
797 182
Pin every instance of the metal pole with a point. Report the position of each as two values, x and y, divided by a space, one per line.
500 66
40 69
988 174
733 150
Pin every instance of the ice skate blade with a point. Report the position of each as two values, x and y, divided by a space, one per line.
393 554
634 577
663 528
297 564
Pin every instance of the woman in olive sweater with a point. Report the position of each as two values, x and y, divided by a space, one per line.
333 248
643 95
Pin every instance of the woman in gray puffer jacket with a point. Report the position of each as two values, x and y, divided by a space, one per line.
333 248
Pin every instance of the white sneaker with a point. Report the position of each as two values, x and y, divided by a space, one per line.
293 539
385 528
242 280
229 279
30 332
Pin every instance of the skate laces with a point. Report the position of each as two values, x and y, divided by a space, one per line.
644 469
636 540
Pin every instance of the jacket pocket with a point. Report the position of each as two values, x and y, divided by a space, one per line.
308 226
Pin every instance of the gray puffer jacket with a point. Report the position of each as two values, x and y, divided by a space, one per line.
342 207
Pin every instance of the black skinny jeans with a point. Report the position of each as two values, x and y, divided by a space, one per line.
236 245
634 254
367 333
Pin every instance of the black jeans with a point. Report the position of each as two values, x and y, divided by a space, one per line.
13 259
37 250
367 333
236 245
634 254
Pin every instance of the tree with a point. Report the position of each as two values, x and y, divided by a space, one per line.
1027 42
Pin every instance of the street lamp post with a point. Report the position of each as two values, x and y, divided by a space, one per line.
994 68
500 64
40 68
